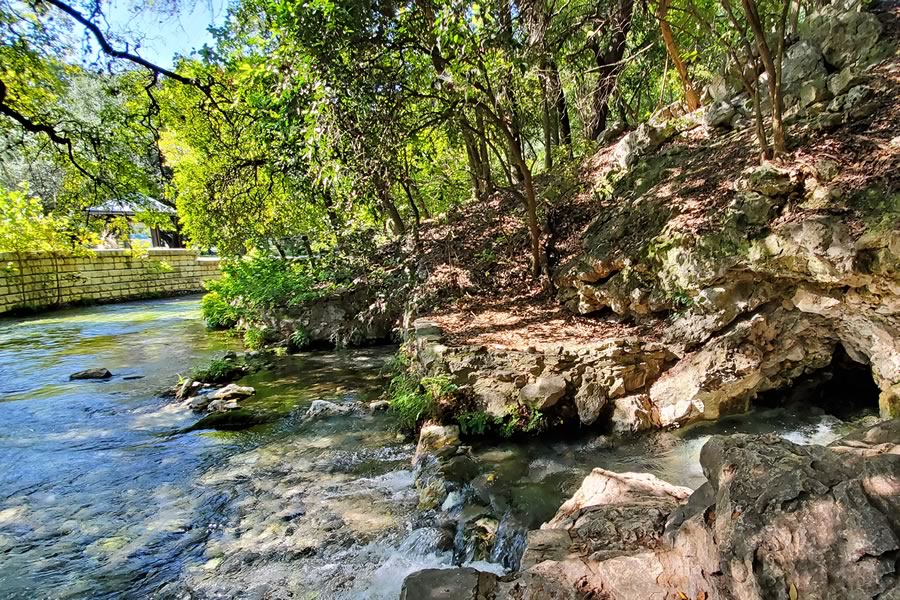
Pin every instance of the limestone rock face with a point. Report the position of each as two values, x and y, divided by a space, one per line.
582 381
544 392
775 521
767 351
357 316
640 142
845 34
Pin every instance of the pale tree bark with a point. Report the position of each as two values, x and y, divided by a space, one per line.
691 97
772 64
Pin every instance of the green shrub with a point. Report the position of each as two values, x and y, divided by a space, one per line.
472 422
217 312
219 370
409 401
520 419
437 386
255 338
299 338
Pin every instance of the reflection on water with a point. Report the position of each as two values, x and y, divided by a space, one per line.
103 495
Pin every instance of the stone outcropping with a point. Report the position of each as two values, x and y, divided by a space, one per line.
360 315
610 379
775 521
759 305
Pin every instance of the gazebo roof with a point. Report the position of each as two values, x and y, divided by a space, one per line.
128 208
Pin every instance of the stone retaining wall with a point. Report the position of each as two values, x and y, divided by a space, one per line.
45 280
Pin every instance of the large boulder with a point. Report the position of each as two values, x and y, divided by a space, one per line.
775 521
719 114
462 583
803 518
544 392
641 142
846 34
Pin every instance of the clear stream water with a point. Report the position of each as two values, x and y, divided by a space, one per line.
104 494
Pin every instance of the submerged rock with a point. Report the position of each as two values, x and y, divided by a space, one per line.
463 583
96 373
321 409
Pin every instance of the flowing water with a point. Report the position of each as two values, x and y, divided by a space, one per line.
105 493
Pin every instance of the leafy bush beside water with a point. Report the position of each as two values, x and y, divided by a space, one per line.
219 370
250 286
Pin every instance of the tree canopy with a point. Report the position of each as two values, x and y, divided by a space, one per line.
307 122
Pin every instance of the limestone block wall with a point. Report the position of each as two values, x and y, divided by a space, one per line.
46 280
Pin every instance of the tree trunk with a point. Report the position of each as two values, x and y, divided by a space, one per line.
333 219
545 124
404 183
484 158
562 108
691 98
609 65
384 196
474 164
773 71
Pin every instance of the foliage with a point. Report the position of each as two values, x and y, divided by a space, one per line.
520 419
299 338
409 402
473 422
26 227
256 338
305 125
437 386
219 370
217 312
255 284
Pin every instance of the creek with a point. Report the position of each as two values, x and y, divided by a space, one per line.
105 493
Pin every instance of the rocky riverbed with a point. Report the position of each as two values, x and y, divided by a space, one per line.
109 492
773 520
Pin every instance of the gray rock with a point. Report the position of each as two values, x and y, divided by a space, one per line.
199 402
379 406
775 521
320 409
612 131
802 62
813 91
545 392
462 583
97 373
188 388
641 142
437 440
767 180
841 82
232 391
803 516
719 114
846 35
